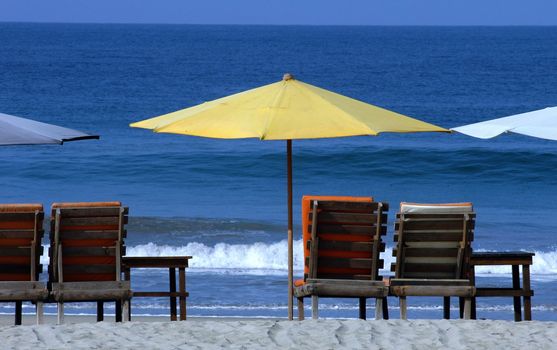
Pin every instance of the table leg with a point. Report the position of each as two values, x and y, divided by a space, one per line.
516 300
182 281
473 299
127 277
446 308
172 283
526 286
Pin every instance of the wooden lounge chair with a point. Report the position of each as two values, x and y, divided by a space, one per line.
21 231
432 253
85 251
342 239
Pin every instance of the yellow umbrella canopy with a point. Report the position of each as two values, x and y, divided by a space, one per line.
285 110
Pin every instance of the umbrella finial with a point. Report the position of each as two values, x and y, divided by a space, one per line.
287 77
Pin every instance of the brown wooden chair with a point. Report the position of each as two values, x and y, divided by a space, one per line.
433 248
85 251
342 255
21 232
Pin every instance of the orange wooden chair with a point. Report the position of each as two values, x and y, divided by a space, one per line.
342 246
85 251
21 232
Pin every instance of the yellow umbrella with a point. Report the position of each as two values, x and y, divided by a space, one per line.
286 110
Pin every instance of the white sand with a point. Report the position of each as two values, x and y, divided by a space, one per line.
272 334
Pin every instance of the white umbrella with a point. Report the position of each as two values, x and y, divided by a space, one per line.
21 131
541 123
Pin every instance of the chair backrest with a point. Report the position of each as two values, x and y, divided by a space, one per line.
344 239
433 240
21 232
86 241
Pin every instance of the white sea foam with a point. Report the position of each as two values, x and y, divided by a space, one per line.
258 258
271 259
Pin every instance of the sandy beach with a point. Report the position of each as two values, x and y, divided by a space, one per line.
391 156
275 334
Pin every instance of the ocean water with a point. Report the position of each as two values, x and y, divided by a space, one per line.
224 201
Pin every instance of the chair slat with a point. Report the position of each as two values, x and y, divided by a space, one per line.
89 269
92 212
349 229
91 221
348 246
29 216
347 218
349 206
15 251
88 235
432 236
15 268
435 216
429 275
432 224
355 263
22 234
88 251
345 276
431 252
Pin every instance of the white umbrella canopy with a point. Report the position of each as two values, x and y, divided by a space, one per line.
541 123
20 131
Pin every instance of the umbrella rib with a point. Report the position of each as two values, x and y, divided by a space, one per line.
272 112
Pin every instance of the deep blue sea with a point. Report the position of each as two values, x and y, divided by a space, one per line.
224 201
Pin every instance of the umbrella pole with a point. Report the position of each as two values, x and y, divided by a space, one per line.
290 233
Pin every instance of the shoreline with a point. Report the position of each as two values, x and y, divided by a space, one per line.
51 319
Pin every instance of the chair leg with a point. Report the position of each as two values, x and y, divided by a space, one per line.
125 310
402 305
40 312
18 312
461 307
100 311
467 308
379 308
60 313
385 309
314 307
447 308
363 308
301 315
118 311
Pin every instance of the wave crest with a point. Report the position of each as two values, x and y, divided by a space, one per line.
258 258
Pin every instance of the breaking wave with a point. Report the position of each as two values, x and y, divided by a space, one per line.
257 258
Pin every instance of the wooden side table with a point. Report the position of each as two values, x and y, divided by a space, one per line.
161 262
514 259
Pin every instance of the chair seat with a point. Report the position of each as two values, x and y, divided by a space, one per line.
428 287
428 282
22 291
91 291
342 288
